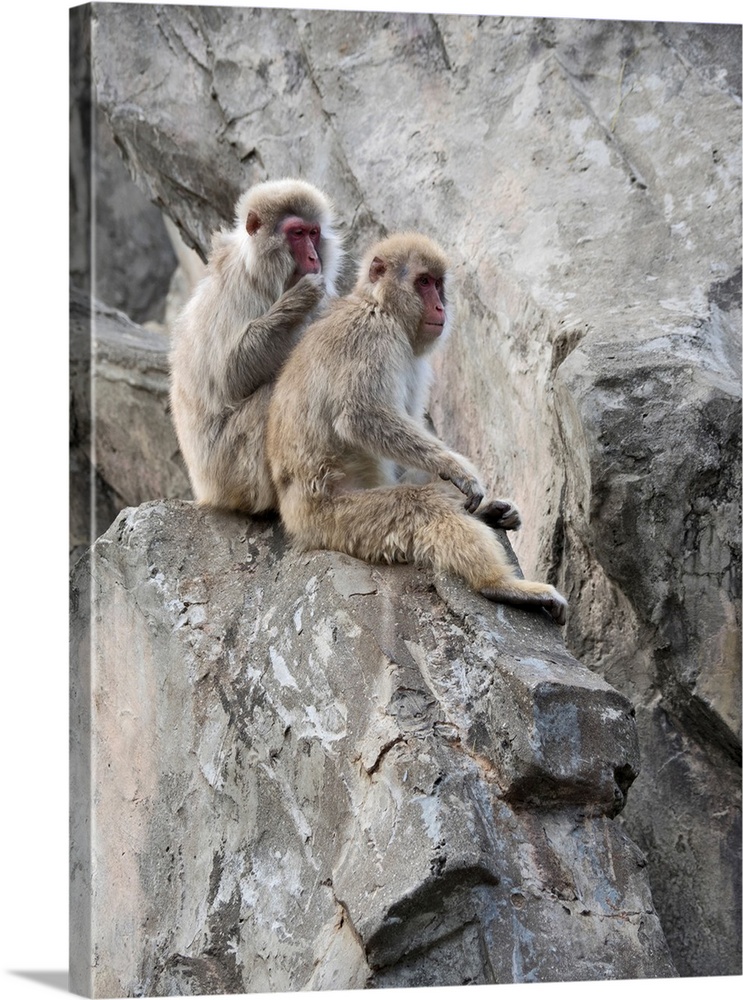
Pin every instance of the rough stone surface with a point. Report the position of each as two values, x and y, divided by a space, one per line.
585 176
124 442
310 772
131 237
110 218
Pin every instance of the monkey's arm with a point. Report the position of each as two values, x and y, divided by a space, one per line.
388 434
268 339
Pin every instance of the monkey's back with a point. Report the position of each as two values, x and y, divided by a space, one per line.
204 336
210 328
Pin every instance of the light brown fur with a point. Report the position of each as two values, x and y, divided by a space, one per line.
234 335
347 410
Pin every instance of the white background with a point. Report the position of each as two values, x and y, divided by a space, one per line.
33 886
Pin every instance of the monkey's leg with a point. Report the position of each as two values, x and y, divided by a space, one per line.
465 545
236 474
529 594
417 524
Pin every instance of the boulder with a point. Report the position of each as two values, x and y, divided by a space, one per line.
307 772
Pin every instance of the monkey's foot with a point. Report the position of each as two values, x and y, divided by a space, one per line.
500 514
526 594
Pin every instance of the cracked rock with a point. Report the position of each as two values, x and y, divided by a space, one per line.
297 785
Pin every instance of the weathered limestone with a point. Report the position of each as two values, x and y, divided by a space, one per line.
121 434
113 225
309 772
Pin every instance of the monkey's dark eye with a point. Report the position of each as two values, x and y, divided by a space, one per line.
423 280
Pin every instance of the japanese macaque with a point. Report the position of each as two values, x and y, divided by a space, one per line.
345 415
265 280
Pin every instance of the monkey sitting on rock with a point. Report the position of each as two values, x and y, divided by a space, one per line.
346 410
265 280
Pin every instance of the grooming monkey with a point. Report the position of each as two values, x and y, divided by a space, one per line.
346 408
265 279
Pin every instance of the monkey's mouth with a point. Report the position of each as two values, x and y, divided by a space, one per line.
434 328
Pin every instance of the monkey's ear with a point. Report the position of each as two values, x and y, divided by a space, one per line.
377 269
253 223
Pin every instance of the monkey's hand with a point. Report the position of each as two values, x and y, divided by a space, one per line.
500 514
466 480
299 300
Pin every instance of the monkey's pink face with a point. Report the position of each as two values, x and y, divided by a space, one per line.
431 290
303 239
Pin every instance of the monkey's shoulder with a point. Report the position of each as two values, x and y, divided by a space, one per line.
231 261
354 323
222 244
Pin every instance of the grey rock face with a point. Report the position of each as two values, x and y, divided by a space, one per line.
110 216
585 177
125 443
309 772
131 238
